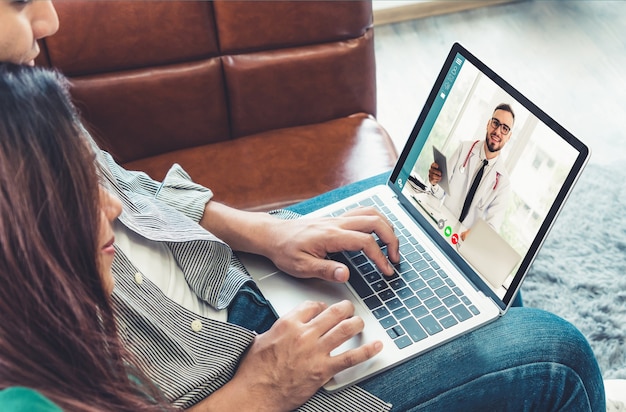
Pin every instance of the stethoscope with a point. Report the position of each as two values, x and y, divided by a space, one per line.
467 157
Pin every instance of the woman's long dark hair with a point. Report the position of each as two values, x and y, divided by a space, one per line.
57 330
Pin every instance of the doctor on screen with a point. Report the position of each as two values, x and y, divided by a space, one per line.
478 181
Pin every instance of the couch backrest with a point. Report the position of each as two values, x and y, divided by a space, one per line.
155 76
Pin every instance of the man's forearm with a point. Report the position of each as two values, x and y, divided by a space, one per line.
243 231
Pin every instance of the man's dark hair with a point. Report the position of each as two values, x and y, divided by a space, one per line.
506 107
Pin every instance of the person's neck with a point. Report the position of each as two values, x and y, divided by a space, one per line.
489 155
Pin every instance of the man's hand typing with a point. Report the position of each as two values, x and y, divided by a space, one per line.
299 247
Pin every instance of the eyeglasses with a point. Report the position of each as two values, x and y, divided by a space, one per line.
495 123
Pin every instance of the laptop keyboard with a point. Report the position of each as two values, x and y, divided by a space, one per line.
419 299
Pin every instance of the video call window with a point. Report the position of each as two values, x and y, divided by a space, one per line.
535 157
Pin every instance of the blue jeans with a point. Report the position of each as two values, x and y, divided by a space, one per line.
528 360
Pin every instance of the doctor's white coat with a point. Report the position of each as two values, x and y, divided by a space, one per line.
493 194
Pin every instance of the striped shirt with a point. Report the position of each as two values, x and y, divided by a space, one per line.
188 356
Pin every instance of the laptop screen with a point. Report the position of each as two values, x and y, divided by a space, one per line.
474 120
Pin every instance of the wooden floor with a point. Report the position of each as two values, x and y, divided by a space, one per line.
568 57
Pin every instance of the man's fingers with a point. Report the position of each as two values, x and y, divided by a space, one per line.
338 272
360 241
355 356
323 333
372 250
307 311
342 331
350 232
434 174
329 270
337 324
326 324
374 223
367 211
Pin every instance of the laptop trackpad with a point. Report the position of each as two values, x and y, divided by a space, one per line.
282 291
285 292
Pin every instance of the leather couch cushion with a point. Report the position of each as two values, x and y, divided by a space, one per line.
253 99
230 168
126 35
289 87
187 106
264 25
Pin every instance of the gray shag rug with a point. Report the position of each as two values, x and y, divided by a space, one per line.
580 272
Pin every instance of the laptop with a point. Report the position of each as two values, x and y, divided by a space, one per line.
445 286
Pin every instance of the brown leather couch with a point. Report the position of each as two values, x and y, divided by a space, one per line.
266 103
